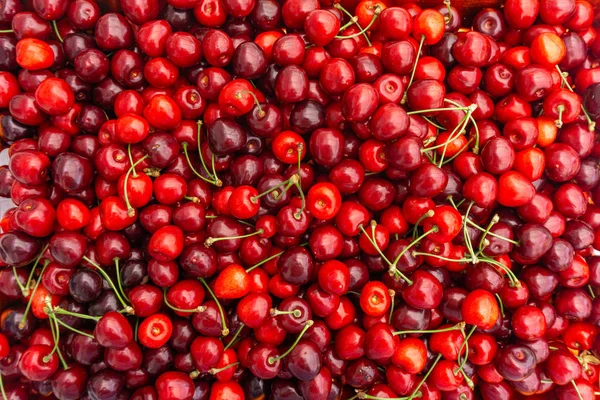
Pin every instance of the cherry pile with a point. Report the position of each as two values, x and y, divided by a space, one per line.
299 199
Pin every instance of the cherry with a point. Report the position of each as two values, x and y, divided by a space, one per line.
37 363
113 331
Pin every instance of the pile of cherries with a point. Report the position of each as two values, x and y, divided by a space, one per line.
299 199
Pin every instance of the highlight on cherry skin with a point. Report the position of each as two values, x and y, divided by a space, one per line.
299 200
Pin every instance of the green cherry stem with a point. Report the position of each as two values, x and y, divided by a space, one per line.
172 307
275 312
234 338
465 345
28 307
392 294
118 273
413 243
225 330
54 328
414 69
131 163
466 235
266 260
214 371
287 183
352 21
58 36
307 324
577 390
198 174
416 112
591 124
416 392
127 308
198 132
373 242
69 327
2 383
343 10
131 171
500 303
457 327
62 311
474 225
32 272
211 240
19 284
415 231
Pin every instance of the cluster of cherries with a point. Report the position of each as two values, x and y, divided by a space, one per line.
299 199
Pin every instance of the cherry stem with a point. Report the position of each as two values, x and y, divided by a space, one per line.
2 389
298 213
392 294
476 147
225 330
500 303
62 311
514 281
275 312
210 240
69 327
473 224
214 371
234 338
128 309
58 36
458 130
261 112
483 242
135 331
307 324
428 214
118 273
364 30
450 15
431 121
342 9
460 151
19 284
6 31
55 329
577 390
414 393
417 112
465 345
455 205
266 260
413 243
32 272
131 171
192 310
29 303
288 183
563 76
591 290
466 235
200 149
352 21
363 395
414 69
131 163
372 240
558 122
457 327
198 174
